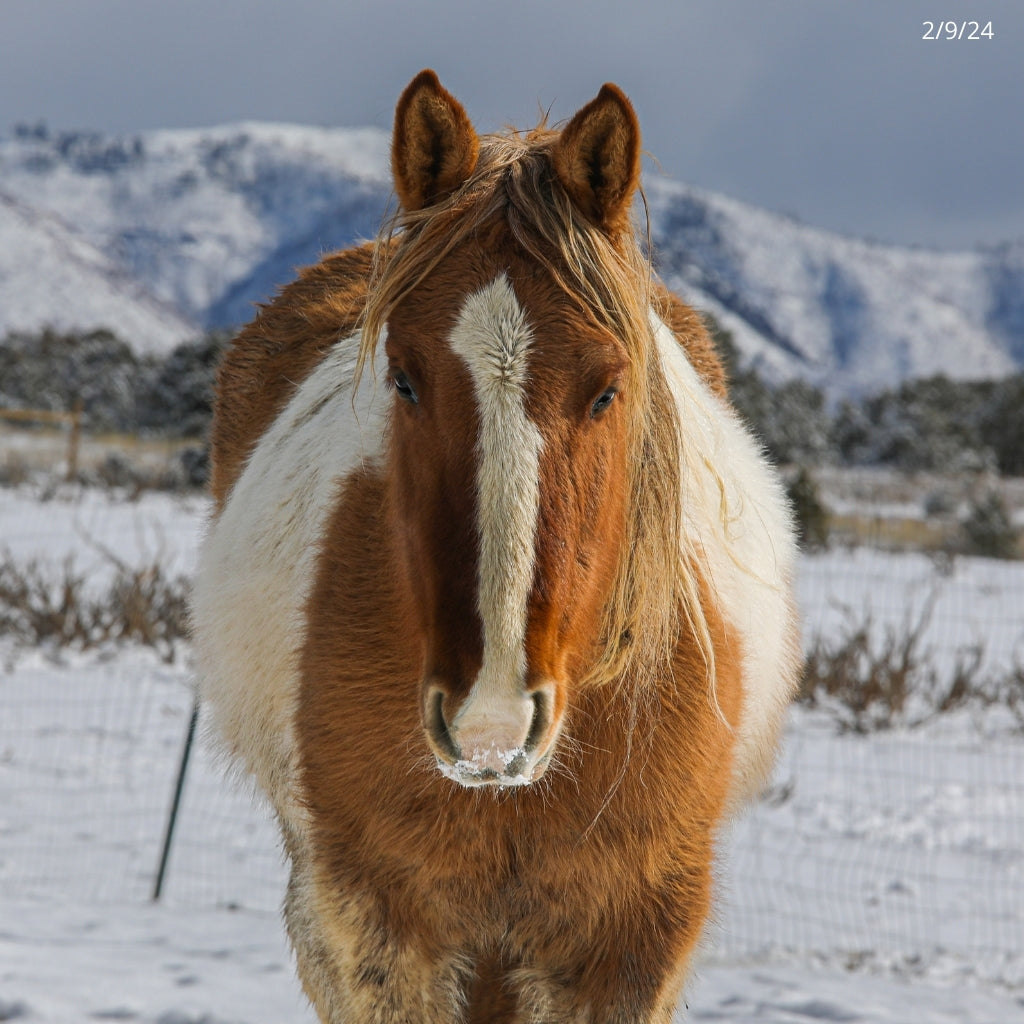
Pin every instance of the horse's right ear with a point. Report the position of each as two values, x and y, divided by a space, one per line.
434 146
597 158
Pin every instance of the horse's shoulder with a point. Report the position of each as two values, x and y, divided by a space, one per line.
688 327
273 354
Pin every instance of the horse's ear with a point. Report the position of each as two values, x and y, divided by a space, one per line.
434 146
597 158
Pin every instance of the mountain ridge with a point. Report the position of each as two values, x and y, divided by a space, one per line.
163 234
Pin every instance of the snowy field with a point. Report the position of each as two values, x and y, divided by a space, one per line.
881 881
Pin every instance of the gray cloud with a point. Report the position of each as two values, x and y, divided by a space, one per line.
838 113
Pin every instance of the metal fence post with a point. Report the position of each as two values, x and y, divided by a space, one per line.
172 818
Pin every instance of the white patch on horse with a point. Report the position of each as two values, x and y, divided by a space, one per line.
750 556
493 339
258 563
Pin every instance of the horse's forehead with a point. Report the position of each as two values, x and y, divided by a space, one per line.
492 334
479 304
522 298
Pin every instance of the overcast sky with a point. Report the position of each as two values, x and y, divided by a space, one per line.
835 111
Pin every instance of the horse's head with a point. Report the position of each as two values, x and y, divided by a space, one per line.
509 433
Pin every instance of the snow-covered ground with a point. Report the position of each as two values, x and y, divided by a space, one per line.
882 881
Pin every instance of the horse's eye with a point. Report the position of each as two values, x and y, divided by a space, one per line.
403 386
603 401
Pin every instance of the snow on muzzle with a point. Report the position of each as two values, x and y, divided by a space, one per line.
493 741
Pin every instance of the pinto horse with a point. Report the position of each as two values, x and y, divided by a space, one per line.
495 601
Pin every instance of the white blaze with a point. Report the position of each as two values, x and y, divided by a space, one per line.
493 339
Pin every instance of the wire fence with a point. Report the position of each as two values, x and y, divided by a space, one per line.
897 849
89 755
900 851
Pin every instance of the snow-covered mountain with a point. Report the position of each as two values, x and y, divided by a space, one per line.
848 314
205 222
51 275
162 234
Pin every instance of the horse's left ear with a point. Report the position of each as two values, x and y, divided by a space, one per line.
434 146
597 158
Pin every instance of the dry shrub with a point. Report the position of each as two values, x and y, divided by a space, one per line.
869 683
14 470
1009 692
138 605
989 530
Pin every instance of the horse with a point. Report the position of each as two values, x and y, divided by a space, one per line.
495 601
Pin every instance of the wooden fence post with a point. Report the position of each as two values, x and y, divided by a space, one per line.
74 439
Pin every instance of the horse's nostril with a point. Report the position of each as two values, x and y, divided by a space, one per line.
541 721
437 726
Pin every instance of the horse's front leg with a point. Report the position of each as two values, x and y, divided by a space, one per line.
355 971
607 992
631 969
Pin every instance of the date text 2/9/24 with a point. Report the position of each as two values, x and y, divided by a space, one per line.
957 30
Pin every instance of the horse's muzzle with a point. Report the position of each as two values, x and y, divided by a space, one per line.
492 742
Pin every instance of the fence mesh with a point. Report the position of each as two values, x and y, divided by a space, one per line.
903 847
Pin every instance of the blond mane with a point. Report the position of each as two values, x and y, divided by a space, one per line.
657 587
